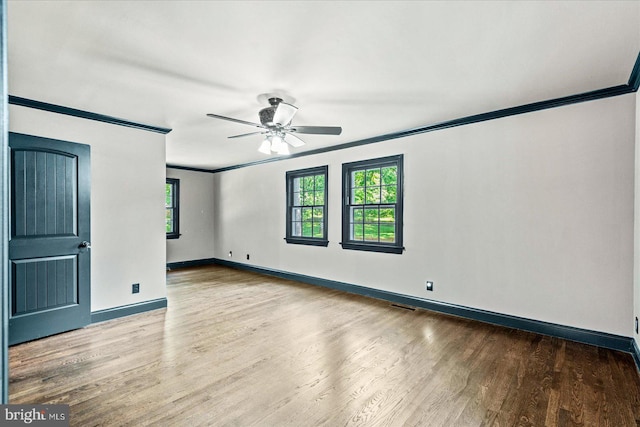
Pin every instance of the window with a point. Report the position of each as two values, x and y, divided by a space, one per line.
307 206
372 205
172 205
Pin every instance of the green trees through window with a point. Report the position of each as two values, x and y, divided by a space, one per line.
373 197
372 212
306 206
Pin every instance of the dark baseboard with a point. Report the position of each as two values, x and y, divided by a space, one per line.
127 310
635 352
600 339
192 263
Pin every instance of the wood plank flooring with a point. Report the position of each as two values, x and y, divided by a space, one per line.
241 349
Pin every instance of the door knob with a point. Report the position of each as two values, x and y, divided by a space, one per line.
85 245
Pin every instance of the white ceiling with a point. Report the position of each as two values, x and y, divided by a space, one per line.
371 67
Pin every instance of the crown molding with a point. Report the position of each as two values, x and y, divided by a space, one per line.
188 168
477 118
59 109
634 79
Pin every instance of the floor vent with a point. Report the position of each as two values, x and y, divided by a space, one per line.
404 307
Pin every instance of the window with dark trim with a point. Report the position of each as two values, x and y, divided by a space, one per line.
172 206
372 205
307 206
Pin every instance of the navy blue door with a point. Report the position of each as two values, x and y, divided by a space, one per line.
49 247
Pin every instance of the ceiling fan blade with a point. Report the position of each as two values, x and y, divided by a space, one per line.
216 116
319 130
293 140
245 134
284 113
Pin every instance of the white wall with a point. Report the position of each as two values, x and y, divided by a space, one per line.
530 215
196 217
127 203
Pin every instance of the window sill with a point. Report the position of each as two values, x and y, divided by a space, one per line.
309 242
173 236
372 247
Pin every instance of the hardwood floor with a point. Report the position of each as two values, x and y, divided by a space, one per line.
240 349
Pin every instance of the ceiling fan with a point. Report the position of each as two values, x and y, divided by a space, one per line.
275 121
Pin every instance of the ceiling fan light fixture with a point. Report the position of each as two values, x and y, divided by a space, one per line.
275 122
284 114
265 147
278 145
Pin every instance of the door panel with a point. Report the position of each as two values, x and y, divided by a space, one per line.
44 194
50 220
45 283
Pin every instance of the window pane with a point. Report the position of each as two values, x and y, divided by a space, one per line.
307 213
308 183
311 198
169 220
389 193
390 175
307 229
317 229
371 232
168 196
357 178
296 185
387 232
296 229
387 215
296 214
357 196
318 214
373 195
373 177
319 182
297 200
357 214
357 232
319 198
371 215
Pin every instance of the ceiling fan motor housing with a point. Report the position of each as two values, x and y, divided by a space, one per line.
266 114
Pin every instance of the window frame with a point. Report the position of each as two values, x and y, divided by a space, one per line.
175 183
347 169
301 173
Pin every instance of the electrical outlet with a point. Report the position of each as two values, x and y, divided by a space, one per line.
230 254
247 256
135 288
429 286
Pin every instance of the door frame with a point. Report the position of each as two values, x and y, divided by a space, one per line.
4 210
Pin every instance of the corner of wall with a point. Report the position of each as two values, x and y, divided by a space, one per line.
196 216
